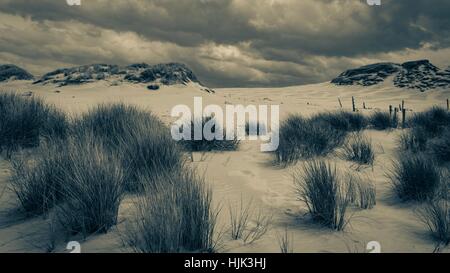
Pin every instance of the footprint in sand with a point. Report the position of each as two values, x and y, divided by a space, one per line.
241 173
248 173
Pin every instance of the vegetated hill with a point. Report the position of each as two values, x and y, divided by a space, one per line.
167 74
421 75
12 72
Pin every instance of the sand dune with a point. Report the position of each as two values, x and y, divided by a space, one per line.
247 173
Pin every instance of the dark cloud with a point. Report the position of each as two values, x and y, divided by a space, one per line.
226 42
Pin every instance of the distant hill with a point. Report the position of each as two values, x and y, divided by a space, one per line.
167 74
421 75
12 72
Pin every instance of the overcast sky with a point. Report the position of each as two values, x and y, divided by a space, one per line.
226 42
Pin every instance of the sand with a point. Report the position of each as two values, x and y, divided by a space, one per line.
246 174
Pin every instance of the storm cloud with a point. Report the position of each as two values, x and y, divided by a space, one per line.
226 42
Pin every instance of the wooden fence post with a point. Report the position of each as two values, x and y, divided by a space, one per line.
403 118
395 119
353 104
390 111
340 102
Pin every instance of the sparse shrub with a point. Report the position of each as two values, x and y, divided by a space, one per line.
258 227
415 177
285 242
36 180
142 142
430 133
112 123
305 138
57 125
334 119
239 218
319 135
414 139
150 155
246 224
436 215
433 121
78 176
358 148
357 121
440 146
342 120
53 235
108 150
364 193
382 121
209 145
255 128
91 187
24 120
177 217
324 193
